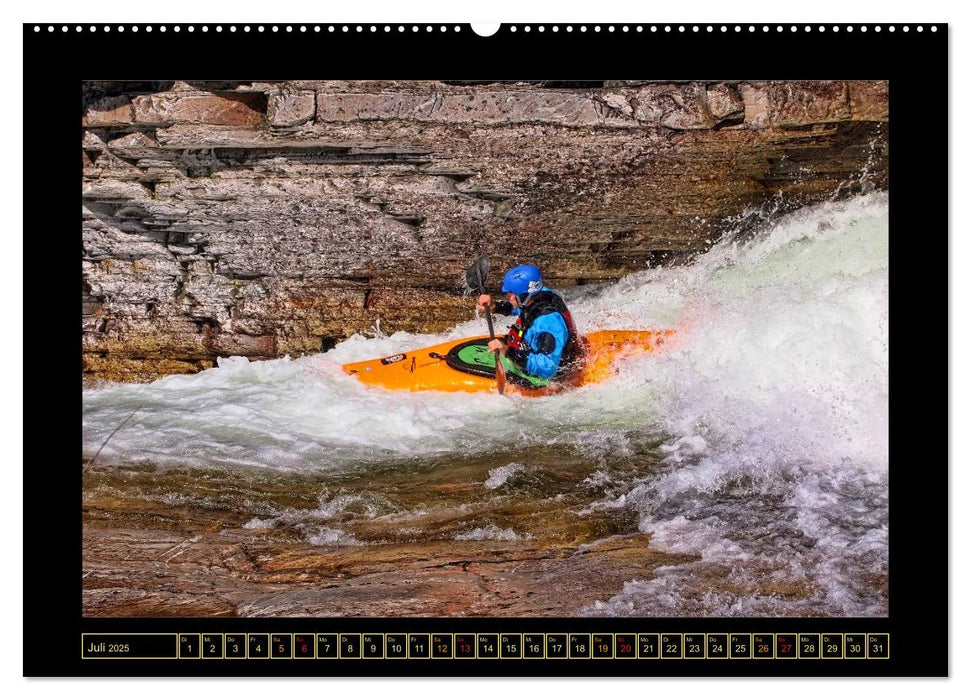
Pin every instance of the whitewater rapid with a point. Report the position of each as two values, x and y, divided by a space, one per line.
771 408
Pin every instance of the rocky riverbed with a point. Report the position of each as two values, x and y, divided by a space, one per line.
186 542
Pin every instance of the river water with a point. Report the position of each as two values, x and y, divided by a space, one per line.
756 444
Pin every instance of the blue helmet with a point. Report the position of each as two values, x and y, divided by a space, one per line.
523 281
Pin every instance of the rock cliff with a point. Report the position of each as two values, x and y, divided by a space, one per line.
263 219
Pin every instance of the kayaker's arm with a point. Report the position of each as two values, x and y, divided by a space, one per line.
540 354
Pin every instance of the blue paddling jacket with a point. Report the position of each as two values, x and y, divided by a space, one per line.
543 341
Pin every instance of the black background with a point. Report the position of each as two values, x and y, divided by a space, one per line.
914 62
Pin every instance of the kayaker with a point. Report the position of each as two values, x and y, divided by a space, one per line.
543 341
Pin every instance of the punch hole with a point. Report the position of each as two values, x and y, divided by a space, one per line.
205 29
148 28
527 28
933 29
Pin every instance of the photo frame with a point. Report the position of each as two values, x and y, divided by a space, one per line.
504 79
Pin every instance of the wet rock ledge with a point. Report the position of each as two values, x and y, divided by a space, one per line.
263 219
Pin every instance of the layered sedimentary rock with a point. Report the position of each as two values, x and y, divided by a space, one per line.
263 219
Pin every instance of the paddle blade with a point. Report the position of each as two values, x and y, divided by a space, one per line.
500 375
476 276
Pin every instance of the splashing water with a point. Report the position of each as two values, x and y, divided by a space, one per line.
771 411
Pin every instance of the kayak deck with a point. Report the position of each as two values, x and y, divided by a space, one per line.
426 369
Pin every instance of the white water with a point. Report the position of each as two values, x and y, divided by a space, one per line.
777 404
773 401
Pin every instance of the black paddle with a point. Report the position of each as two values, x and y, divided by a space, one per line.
475 278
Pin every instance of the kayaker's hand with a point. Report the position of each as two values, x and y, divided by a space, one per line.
497 345
484 301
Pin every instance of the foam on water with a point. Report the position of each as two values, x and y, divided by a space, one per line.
489 532
772 403
500 475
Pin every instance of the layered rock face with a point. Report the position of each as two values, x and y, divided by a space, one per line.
264 219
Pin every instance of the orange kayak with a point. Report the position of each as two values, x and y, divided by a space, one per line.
466 365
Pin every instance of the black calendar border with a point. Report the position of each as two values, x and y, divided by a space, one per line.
916 65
